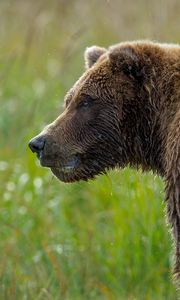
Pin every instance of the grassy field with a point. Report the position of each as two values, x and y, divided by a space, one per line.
103 240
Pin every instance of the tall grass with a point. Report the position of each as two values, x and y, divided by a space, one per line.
106 239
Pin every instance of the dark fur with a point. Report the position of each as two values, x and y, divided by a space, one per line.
125 109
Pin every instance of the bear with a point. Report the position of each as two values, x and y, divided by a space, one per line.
124 110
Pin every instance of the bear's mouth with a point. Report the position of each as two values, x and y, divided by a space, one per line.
65 171
61 168
75 168
78 169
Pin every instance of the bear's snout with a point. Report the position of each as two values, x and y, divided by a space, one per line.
37 144
52 155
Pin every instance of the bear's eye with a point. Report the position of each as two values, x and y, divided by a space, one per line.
86 102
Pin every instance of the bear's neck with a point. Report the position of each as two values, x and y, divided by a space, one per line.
144 143
150 122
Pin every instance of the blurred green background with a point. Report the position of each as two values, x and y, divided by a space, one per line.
105 239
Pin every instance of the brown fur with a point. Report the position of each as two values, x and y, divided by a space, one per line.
125 109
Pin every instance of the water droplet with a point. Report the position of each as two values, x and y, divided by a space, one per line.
10 186
23 179
22 210
37 183
3 165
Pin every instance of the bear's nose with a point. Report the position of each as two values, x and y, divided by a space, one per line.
37 144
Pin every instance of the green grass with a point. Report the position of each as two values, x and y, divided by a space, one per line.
105 239
101 240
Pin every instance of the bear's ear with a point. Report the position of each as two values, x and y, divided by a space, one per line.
126 59
92 54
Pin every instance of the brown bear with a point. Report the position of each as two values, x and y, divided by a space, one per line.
124 110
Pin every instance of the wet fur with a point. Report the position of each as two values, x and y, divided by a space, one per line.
134 119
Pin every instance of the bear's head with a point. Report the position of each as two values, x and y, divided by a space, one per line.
102 124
